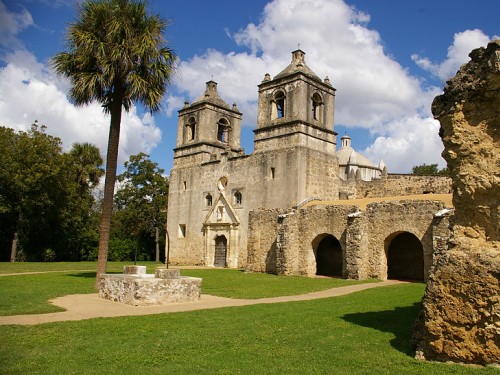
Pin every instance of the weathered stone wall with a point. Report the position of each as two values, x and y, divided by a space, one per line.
387 219
262 233
301 231
143 290
394 185
460 316
285 242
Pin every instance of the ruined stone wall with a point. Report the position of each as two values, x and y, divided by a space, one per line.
394 185
387 219
262 233
460 315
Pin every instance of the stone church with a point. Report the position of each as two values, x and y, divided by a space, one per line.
214 185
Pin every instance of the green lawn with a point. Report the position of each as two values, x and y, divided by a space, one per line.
30 293
363 333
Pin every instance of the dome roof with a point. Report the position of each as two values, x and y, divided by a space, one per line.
298 64
211 96
347 155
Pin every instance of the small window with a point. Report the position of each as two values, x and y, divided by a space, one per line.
184 185
273 172
182 230
238 198
208 200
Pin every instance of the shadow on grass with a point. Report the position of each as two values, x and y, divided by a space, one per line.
85 275
399 322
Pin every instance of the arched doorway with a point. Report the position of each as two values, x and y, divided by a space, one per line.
329 259
220 251
405 257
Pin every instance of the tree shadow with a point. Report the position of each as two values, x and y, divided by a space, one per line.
85 275
399 322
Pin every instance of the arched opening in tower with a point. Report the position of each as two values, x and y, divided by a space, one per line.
329 257
405 257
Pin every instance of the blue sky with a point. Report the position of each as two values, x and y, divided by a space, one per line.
387 59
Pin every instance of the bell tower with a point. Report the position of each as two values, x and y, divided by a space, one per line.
207 128
296 108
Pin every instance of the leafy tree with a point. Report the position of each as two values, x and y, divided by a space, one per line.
141 200
117 56
429 170
46 206
32 187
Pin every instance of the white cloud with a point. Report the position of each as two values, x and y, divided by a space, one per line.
374 91
410 141
11 24
458 54
29 92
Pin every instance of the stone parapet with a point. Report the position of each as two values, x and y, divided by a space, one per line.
146 289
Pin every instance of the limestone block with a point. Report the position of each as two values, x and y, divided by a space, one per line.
140 291
460 316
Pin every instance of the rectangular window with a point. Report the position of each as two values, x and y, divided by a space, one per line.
182 230
273 171
184 185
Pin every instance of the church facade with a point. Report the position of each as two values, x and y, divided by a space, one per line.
214 185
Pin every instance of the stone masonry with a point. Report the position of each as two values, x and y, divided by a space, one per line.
460 314
135 287
215 187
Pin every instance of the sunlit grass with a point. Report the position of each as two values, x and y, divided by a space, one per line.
363 333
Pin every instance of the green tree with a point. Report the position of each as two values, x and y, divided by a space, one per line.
32 187
141 200
79 218
429 170
86 162
117 56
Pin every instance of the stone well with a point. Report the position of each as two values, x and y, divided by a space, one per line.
135 287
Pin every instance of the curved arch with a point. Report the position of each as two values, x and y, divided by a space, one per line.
316 106
278 107
223 130
329 255
405 256
190 129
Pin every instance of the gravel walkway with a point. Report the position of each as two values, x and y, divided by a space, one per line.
90 306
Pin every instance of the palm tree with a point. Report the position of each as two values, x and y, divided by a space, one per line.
117 55
86 161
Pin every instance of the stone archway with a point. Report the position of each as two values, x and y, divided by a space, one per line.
220 251
329 259
405 257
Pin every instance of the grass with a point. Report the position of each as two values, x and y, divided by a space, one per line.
363 333
238 284
30 293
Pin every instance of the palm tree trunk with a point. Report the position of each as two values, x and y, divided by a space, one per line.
109 184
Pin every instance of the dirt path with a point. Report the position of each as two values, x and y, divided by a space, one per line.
89 306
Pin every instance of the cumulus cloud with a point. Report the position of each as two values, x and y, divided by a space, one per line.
29 91
458 53
410 141
374 92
